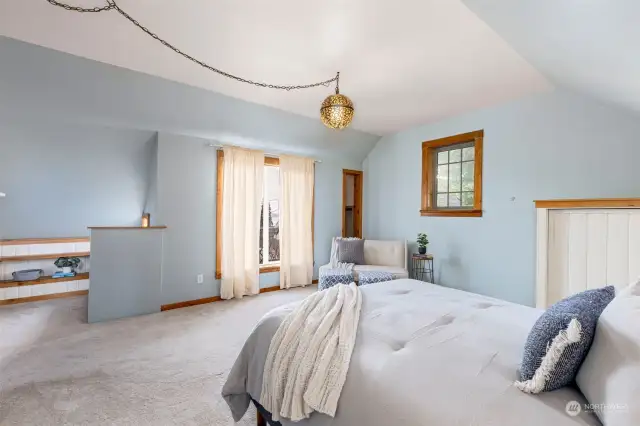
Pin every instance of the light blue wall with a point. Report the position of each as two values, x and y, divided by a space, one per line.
175 181
555 145
187 205
61 178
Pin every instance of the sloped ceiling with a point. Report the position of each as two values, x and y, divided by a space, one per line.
591 46
46 85
403 62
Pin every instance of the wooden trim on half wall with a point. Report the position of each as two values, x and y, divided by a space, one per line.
585 203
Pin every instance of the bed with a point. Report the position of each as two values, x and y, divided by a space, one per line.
424 355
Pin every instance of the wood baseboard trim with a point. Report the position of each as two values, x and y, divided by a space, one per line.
269 289
205 300
188 303
43 297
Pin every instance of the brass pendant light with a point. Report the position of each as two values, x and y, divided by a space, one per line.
337 110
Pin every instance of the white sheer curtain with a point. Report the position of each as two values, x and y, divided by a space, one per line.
296 210
241 199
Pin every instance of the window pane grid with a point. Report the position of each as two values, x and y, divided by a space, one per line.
455 177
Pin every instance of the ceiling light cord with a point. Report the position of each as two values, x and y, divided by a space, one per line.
111 5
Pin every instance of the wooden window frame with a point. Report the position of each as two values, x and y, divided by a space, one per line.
427 207
264 269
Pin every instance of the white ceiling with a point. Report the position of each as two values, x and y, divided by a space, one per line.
591 46
402 62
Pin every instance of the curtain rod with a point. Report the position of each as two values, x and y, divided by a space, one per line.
266 154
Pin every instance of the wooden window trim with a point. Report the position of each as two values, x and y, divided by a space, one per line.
428 148
264 269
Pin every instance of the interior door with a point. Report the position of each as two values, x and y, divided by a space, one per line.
352 203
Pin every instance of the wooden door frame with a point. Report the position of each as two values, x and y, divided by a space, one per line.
357 199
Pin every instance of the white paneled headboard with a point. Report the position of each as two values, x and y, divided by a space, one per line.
584 244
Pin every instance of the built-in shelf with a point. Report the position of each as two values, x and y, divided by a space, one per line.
44 280
29 241
43 256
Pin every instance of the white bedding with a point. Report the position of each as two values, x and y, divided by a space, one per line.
424 355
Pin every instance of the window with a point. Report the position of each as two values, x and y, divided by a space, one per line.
269 219
452 176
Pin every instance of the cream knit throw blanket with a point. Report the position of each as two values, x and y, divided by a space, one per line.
309 355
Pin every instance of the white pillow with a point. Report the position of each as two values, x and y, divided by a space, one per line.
610 376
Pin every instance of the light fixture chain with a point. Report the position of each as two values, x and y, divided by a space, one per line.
81 9
111 4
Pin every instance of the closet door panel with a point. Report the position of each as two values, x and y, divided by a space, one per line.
558 260
577 253
596 250
617 248
634 246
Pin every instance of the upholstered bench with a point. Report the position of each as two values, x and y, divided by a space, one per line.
331 277
370 277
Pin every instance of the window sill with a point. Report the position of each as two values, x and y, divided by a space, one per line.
451 213
264 269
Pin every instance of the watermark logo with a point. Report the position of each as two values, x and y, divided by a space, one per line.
573 408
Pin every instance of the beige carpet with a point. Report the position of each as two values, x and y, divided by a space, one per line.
161 369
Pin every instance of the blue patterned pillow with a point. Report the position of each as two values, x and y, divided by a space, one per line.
560 340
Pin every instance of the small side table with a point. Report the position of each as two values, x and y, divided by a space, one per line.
422 267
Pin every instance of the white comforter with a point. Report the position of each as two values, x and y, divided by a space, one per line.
309 355
425 355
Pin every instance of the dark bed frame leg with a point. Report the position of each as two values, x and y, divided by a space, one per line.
261 421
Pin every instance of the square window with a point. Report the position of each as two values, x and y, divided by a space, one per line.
452 175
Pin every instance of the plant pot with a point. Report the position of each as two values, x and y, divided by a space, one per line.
66 269
422 250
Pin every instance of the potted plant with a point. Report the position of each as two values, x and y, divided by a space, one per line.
422 243
67 264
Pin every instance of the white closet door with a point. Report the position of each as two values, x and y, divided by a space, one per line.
591 249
